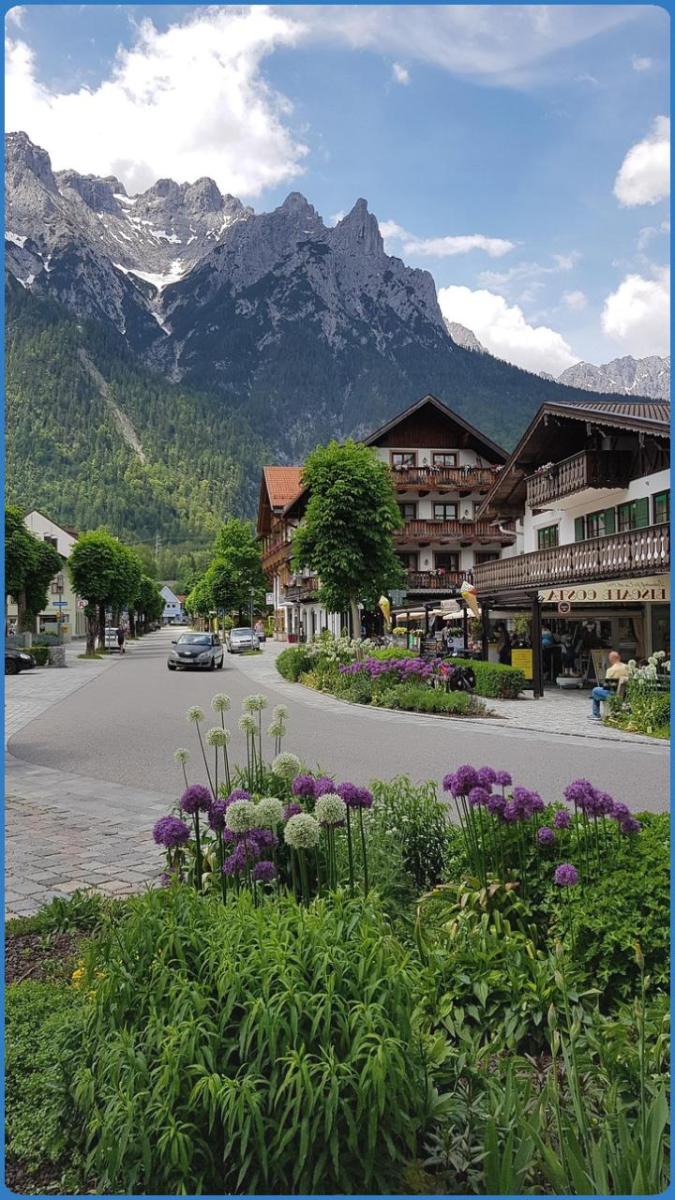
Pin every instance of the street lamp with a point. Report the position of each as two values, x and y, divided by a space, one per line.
250 606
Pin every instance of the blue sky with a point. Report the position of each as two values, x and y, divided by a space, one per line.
518 153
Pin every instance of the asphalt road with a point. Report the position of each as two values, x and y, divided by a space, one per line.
124 725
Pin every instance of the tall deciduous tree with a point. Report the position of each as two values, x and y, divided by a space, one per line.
346 533
101 572
235 574
29 566
199 601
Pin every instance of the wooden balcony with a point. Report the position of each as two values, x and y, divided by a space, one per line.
591 469
636 552
304 589
465 532
275 552
436 581
443 479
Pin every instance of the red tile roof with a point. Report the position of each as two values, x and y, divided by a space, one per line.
283 484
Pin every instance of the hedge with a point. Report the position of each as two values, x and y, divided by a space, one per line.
40 654
493 679
293 662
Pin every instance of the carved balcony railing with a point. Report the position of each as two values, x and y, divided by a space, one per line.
633 553
589 469
467 532
304 588
436 581
443 479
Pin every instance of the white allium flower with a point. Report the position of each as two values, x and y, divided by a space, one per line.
276 729
181 755
330 809
220 703
195 713
240 816
247 724
286 765
280 712
218 737
269 812
302 832
255 703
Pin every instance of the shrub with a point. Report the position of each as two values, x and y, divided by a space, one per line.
493 679
40 654
413 816
647 711
413 698
291 663
43 1033
235 1049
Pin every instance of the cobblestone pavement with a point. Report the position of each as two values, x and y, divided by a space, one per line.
64 832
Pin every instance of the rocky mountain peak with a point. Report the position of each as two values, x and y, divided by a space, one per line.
98 194
359 230
23 158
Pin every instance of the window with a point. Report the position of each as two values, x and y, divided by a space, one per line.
595 524
446 561
444 459
409 560
547 537
483 556
408 511
51 541
634 514
445 512
400 459
661 504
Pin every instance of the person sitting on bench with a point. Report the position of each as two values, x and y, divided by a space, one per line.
617 674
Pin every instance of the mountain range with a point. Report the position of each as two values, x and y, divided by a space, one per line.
625 376
185 339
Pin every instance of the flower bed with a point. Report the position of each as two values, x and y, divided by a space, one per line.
341 990
645 705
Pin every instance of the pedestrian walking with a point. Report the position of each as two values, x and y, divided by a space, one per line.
120 639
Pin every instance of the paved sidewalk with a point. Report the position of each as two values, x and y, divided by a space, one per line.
64 832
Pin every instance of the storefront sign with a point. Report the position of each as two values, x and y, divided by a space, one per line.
522 661
269 598
564 608
652 590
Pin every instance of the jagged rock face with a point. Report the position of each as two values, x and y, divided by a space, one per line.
627 376
466 338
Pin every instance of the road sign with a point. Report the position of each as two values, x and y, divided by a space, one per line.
564 607
82 604
60 603
397 598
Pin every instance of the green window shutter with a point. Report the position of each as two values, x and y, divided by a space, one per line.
641 511
579 535
610 520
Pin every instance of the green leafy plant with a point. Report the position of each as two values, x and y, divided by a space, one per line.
493 679
234 1049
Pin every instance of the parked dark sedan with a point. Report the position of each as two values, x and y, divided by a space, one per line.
17 660
196 650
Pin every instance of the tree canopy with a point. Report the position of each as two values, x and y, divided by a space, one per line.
30 565
346 533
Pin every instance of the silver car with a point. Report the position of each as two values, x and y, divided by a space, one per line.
203 650
239 640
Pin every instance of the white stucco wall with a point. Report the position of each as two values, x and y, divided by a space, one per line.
649 485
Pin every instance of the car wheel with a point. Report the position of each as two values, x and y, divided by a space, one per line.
212 664
171 666
11 667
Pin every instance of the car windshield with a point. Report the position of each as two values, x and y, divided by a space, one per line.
242 632
195 639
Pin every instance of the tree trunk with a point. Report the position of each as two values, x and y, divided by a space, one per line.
21 614
356 618
91 634
132 623
101 626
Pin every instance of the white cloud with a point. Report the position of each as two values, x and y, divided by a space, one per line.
644 175
504 330
186 102
637 314
442 247
640 64
14 16
337 217
400 74
525 280
575 300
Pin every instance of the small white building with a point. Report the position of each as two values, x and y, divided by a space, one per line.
64 612
173 610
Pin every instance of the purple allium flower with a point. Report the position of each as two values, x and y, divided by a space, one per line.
238 794
323 785
620 812
495 804
264 871
566 875
579 792
195 798
304 785
478 796
503 779
292 810
217 815
630 825
545 836
236 862
486 777
562 819
264 839
229 835
449 782
348 792
511 811
604 805
171 831
466 778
